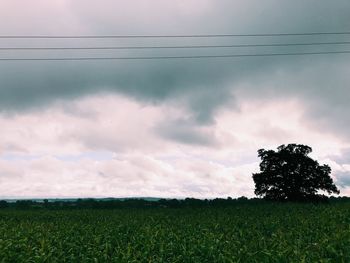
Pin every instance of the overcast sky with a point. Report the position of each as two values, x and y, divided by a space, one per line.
167 128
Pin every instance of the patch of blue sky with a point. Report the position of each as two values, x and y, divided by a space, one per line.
96 156
19 157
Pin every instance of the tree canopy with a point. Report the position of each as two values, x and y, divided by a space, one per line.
289 174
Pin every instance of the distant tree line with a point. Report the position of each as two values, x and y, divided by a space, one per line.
90 203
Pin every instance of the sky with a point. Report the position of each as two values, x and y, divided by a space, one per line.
170 127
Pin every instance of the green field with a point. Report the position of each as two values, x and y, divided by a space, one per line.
240 233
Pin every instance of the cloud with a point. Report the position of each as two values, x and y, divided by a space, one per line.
111 145
343 179
119 177
202 86
187 132
174 127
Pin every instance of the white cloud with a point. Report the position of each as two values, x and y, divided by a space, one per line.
109 146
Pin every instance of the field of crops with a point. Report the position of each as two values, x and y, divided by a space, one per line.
241 233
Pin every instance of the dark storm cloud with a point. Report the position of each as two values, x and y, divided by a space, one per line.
202 85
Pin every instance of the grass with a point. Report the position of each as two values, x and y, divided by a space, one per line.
241 233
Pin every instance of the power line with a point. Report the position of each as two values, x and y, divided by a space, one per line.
178 36
176 57
177 47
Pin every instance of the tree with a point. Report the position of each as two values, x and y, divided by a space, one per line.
289 174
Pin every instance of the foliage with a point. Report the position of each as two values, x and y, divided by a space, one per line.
110 203
290 174
268 232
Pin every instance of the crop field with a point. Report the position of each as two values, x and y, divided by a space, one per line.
240 233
